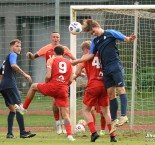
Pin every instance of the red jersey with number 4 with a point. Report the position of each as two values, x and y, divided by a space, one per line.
94 72
61 71
48 51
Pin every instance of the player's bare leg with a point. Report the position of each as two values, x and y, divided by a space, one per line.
103 124
56 117
89 119
67 123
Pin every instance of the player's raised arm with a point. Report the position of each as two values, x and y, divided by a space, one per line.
68 53
48 70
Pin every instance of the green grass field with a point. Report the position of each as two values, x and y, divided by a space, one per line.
51 138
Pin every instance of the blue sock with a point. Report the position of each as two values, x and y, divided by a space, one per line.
113 108
124 104
20 121
10 121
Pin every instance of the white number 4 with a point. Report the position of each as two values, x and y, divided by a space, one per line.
96 62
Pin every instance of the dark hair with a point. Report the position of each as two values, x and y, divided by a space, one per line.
59 50
12 42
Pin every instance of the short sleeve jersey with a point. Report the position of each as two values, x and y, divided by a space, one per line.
48 51
61 71
9 75
106 47
94 72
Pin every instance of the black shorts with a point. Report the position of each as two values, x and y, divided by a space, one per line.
11 96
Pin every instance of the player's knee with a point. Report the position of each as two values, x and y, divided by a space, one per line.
121 90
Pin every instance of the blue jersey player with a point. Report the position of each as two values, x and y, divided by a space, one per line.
105 44
9 91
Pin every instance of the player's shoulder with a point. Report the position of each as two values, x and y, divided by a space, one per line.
12 54
47 46
65 47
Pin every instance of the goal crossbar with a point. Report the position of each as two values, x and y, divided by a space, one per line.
112 7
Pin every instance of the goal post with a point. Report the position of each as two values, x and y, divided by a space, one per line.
138 59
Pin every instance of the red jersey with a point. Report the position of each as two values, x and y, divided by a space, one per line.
94 72
48 51
61 71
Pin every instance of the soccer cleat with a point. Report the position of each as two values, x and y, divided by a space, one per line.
20 109
27 134
102 132
10 136
70 137
58 129
113 139
123 119
115 122
94 137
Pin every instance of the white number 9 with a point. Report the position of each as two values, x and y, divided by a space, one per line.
62 67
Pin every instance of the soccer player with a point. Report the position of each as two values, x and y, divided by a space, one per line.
95 94
48 51
58 78
9 90
105 44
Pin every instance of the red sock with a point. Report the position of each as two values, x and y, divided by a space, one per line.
68 129
103 123
94 118
92 127
113 134
27 102
56 116
109 128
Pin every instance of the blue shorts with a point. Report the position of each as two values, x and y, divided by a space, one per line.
114 75
11 96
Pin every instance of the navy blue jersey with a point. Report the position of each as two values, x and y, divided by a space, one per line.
8 74
106 47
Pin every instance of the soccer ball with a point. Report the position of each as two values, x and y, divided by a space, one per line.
83 122
75 28
80 128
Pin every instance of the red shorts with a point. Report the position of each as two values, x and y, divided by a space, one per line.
96 97
60 95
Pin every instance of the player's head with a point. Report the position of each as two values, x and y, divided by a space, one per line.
92 26
85 46
55 38
59 50
15 46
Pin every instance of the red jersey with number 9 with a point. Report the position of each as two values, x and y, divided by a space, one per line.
61 71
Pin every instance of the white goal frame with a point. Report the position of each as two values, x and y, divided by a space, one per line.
73 10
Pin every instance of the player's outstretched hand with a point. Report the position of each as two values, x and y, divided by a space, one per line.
74 62
30 55
28 77
132 38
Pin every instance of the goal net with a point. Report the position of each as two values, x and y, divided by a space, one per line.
138 58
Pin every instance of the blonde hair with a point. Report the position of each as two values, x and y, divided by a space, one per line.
88 24
86 44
